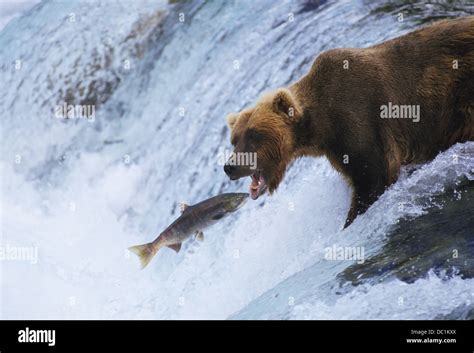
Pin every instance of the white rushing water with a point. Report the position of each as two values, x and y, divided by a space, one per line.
78 192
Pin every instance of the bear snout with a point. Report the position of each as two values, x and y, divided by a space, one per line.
235 171
230 170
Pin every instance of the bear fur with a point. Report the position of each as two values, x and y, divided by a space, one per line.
339 110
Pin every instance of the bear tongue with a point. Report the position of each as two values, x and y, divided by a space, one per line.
257 186
254 192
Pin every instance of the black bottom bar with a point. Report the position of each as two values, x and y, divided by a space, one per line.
237 336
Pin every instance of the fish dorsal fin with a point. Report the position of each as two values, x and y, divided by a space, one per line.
175 247
183 206
200 235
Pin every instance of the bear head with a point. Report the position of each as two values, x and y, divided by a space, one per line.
264 140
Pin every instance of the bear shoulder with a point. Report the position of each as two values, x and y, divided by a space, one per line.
329 58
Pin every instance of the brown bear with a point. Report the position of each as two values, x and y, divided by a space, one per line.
369 111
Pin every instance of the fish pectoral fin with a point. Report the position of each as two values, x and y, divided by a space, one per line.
183 206
218 216
199 235
175 247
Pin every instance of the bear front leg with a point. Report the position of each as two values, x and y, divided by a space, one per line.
367 189
353 212
358 206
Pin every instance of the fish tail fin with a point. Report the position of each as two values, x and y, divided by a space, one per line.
145 253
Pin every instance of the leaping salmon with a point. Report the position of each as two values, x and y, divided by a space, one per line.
192 221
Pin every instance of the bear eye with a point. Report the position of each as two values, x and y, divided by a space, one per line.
254 136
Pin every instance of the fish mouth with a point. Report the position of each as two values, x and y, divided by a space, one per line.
258 186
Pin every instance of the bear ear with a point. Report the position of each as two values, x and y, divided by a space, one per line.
285 102
232 119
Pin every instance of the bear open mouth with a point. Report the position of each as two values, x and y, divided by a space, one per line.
258 185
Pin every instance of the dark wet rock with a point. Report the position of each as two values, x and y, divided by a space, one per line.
311 5
463 312
423 11
442 240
